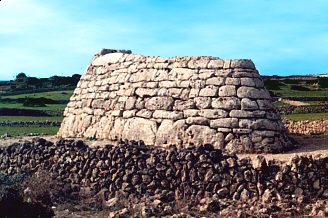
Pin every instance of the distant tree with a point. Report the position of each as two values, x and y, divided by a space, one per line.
33 81
323 82
76 76
21 77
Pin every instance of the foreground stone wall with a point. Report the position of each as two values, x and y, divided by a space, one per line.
177 100
139 171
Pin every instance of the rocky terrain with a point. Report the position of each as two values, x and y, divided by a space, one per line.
307 127
201 178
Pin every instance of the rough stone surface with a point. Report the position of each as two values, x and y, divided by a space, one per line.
212 179
128 96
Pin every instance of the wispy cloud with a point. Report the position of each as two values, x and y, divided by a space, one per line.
43 38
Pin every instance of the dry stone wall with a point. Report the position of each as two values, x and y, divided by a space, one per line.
138 170
177 100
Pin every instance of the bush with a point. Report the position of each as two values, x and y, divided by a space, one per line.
323 82
299 88
272 84
40 187
12 202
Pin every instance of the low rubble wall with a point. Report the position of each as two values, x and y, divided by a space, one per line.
137 170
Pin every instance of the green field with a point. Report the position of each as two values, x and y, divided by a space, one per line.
310 116
23 118
55 110
54 95
285 91
49 107
21 131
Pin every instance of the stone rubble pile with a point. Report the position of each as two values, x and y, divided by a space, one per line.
139 171
306 127
179 100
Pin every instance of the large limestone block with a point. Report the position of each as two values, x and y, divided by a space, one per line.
198 134
170 132
172 115
224 122
181 73
227 103
247 104
110 58
242 63
159 103
258 124
246 114
228 90
250 92
203 102
209 91
213 113
140 129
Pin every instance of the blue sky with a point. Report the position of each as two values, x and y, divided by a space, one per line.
45 38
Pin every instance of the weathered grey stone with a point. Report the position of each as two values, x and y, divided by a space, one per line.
232 81
199 134
216 64
242 144
190 113
227 91
217 81
250 92
227 103
194 93
184 105
246 114
209 91
181 73
159 103
213 113
197 121
224 122
104 60
247 104
129 104
143 92
129 114
258 124
167 84
140 129
242 63
202 102
265 105
172 115
144 113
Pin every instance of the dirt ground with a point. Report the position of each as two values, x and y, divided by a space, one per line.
314 145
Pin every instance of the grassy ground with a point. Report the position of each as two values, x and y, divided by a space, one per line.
287 92
312 116
55 95
23 118
55 110
20 131
49 107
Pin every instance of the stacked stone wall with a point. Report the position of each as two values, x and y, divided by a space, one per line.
137 171
179 100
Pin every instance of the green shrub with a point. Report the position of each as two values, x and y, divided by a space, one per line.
323 82
272 84
299 88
